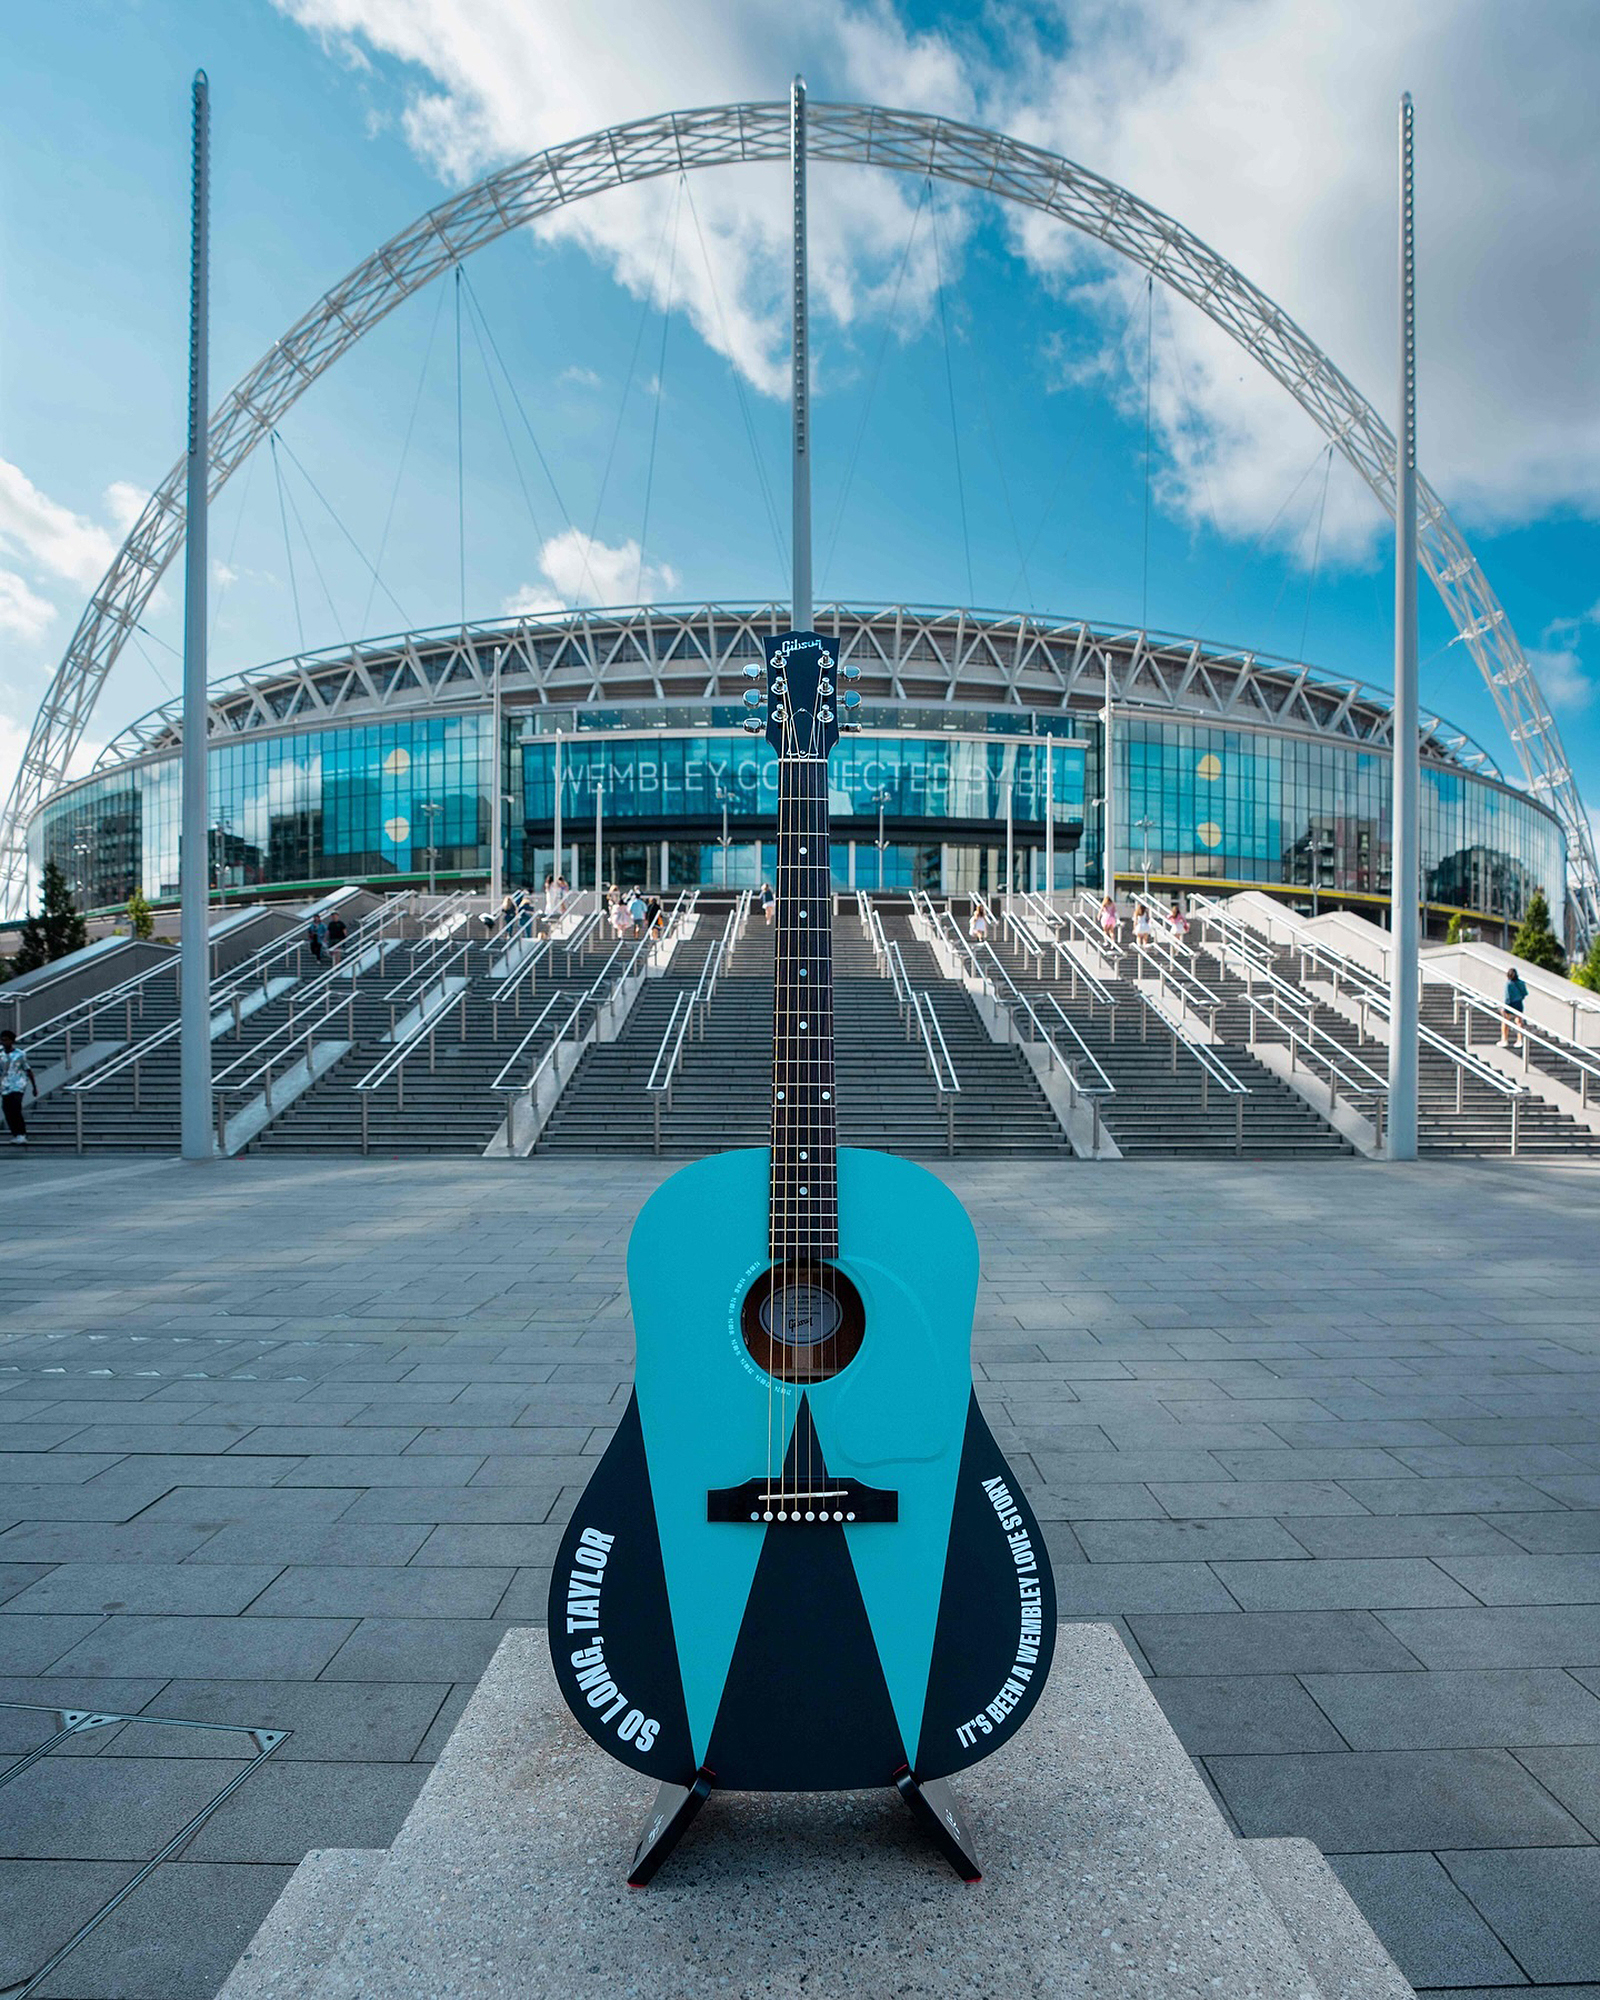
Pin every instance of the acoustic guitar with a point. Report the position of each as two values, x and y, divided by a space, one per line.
803 1563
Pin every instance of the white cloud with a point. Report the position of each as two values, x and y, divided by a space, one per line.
1557 660
580 569
582 378
23 613
493 80
47 535
125 502
1268 128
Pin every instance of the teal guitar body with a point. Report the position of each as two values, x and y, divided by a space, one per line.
802 1563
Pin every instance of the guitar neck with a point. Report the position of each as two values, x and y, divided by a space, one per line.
804 1218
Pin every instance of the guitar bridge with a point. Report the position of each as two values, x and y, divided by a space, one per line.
816 1503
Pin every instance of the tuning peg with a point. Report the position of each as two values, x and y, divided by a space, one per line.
753 673
849 728
851 699
824 713
752 698
754 724
850 673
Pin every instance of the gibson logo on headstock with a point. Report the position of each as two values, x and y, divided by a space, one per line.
802 701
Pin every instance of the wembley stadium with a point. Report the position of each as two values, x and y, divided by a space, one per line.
983 732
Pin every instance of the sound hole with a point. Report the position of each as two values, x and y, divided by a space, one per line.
803 1321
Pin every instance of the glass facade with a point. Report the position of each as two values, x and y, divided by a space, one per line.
385 800
1199 804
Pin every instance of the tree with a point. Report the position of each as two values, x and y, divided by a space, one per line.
141 918
1457 933
1535 941
1588 974
56 930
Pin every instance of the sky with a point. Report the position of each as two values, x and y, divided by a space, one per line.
1005 416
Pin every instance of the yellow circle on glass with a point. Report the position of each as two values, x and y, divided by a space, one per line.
397 829
1210 766
396 763
1210 834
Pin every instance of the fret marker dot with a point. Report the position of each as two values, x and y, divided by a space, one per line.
825 1095
803 1156
780 1096
803 1027
805 1190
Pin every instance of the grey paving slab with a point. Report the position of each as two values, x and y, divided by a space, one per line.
1394 1801
1278 1499
1338 1584
1089 1589
1457 1710
287 1808
430 1505
1430 1929
43 1903
1529 1579
1544 1905
212 1588
1256 1714
203 1648
1570 1772
1181 1541
1449 1496
341 1543
416 1649
175 1938
29 1643
1404 1535
373 1591
106 1808
1565 1635
1269 1642
330 1721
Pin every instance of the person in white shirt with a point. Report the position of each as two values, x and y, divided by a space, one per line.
15 1074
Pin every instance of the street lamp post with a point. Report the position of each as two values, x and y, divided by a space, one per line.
599 839
1144 824
722 800
880 799
220 832
496 795
432 810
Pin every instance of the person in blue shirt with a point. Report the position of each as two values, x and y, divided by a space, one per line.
1516 996
15 1075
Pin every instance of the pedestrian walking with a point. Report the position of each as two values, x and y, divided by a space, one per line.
15 1074
654 924
524 913
1177 923
316 937
508 913
636 912
1141 926
338 931
769 902
1516 998
553 892
978 923
1108 919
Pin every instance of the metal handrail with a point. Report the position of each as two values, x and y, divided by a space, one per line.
1105 1087
1575 1054
1067 921
264 1070
516 1054
946 1084
436 965
894 958
120 995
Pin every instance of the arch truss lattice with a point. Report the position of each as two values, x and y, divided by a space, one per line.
864 135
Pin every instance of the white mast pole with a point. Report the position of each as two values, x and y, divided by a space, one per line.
802 612
1404 880
194 867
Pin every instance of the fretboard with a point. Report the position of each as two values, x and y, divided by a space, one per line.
805 1186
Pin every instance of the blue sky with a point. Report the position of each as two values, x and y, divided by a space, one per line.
982 384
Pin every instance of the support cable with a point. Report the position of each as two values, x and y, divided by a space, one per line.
622 404
950 387
405 452
1295 548
361 554
889 326
288 546
494 348
227 577
762 481
311 551
661 380
474 311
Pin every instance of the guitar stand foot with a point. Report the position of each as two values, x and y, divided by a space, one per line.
670 1817
937 1811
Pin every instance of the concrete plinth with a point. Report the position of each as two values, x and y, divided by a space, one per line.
1109 1872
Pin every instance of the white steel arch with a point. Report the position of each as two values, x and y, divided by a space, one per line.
868 135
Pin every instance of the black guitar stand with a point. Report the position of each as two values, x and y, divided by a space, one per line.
670 1818
933 1806
935 1809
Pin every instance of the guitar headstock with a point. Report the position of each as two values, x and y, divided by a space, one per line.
807 708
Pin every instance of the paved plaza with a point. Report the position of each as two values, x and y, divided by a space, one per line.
288 1444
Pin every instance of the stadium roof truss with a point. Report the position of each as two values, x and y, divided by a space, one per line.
696 653
868 135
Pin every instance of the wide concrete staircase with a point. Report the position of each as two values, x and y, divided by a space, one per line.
721 1093
1163 1105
